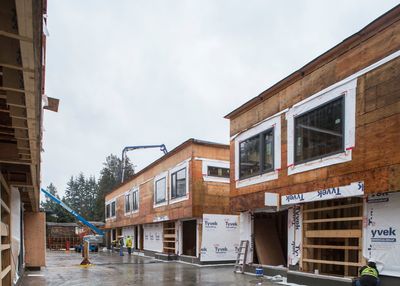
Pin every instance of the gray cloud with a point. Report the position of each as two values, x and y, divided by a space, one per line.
149 72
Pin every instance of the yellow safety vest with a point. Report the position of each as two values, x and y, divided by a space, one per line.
129 242
370 271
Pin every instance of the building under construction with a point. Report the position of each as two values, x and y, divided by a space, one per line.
315 163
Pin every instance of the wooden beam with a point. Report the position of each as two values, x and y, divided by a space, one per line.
333 208
336 233
313 246
4 206
5 247
4 229
355 264
15 36
333 219
13 89
5 272
15 67
4 183
22 162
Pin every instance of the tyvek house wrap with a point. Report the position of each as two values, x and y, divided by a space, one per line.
381 232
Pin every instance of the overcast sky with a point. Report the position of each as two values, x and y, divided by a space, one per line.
149 72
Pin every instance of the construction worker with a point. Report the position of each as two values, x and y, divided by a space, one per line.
369 275
128 243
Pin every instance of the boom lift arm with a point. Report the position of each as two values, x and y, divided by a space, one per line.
74 213
131 148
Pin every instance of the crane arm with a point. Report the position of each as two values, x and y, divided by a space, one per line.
131 148
74 213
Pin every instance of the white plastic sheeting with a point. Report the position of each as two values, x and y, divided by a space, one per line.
381 232
352 190
246 230
295 234
130 230
153 237
220 237
15 207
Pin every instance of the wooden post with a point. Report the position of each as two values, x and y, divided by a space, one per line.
85 253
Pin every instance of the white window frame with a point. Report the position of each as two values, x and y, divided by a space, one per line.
271 122
348 91
109 203
130 202
137 191
213 163
180 166
157 178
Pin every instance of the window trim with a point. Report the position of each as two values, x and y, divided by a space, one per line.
163 175
342 118
348 91
271 122
109 202
137 191
129 201
180 166
260 156
214 163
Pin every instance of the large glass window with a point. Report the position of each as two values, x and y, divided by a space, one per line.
135 200
319 132
218 172
256 154
113 209
108 208
159 192
178 184
128 203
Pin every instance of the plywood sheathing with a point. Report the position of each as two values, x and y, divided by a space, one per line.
375 158
204 197
35 239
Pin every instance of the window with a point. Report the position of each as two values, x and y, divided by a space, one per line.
178 184
159 190
135 200
128 202
256 154
218 172
113 209
319 132
107 210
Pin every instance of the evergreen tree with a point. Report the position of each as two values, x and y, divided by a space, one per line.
110 177
54 212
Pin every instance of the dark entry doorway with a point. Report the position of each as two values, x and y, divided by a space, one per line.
189 240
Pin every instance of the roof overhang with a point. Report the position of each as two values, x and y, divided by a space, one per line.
21 87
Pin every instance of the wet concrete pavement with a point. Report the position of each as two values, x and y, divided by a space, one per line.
112 269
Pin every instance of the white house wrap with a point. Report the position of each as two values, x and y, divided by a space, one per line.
381 232
295 227
220 237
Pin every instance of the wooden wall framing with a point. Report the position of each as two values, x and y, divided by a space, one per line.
332 236
5 245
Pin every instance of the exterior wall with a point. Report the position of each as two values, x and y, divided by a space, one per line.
203 196
35 248
375 157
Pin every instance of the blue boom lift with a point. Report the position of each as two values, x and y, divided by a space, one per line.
93 239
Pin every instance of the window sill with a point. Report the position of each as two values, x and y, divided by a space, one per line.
132 212
215 179
160 205
320 163
273 175
180 199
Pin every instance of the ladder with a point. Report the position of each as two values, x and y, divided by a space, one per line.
241 257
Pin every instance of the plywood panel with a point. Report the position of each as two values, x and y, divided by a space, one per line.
267 242
35 239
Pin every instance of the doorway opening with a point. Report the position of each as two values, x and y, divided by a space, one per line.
189 234
270 238
135 237
141 240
